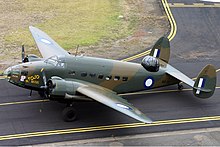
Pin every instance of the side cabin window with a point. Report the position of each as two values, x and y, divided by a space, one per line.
92 75
108 78
124 78
100 76
116 78
83 74
73 73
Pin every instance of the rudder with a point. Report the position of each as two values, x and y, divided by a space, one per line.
161 49
205 83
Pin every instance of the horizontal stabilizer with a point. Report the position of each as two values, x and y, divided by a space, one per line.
204 86
202 89
179 75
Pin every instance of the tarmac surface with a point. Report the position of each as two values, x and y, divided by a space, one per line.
196 137
27 120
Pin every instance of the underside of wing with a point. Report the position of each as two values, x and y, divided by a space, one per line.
179 75
47 46
111 99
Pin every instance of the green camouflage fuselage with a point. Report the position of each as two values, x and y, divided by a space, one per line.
119 76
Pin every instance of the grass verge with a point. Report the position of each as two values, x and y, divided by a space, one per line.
73 22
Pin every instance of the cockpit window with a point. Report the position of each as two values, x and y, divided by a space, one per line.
55 61
33 56
16 71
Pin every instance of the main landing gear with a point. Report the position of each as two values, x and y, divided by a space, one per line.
69 113
180 86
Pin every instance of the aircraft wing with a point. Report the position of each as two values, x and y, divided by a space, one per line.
112 100
179 75
47 46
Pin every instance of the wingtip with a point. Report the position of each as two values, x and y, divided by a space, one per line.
148 122
31 28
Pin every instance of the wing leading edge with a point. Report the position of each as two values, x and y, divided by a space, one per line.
112 100
46 45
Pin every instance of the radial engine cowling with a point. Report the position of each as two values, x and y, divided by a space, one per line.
151 64
59 88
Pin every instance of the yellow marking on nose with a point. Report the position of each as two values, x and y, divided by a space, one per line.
42 69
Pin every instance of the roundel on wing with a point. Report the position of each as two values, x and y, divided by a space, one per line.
149 82
45 41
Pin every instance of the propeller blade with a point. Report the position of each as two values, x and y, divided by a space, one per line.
44 78
22 53
44 87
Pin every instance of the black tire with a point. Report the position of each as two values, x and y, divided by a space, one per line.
41 93
69 114
180 86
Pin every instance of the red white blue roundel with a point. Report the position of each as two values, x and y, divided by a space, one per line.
149 82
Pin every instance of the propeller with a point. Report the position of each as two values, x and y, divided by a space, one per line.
44 87
22 53
24 58
44 79
48 84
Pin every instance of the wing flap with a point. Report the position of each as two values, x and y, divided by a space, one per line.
112 100
46 45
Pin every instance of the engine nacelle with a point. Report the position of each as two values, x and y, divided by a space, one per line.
31 58
62 90
151 64
59 88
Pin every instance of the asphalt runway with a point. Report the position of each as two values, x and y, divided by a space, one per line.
195 44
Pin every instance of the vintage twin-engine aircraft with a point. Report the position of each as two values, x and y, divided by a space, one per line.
67 78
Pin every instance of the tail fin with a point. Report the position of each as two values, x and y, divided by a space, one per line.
161 49
205 83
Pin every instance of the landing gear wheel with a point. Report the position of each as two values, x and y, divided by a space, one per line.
69 104
41 93
180 86
69 114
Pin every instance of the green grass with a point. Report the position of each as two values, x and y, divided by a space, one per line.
73 22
